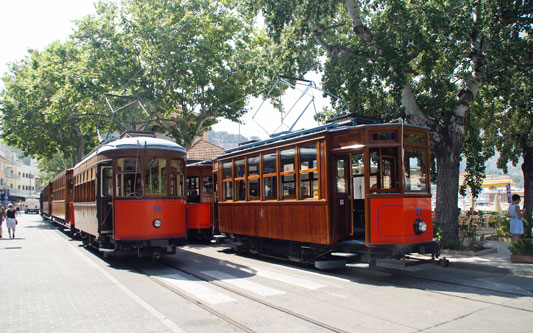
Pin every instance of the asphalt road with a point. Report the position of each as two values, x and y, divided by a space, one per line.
52 283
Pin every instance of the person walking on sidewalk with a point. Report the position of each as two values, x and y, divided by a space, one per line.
517 226
11 220
2 214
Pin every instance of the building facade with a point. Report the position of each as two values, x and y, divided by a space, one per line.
19 177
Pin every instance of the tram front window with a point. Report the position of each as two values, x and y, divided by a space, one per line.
383 169
129 177
155 175
415 170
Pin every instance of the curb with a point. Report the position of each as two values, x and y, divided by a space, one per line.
470 253
480 267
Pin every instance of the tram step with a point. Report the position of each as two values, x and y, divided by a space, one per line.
330 264
345 254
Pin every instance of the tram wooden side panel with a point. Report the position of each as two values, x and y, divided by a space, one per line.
287 221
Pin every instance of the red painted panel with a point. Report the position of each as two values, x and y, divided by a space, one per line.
392 220
199 216
134 219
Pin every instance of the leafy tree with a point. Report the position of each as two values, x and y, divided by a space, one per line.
189 62
507 115
425 60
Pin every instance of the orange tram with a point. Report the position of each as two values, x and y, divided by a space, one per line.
128 194
353 190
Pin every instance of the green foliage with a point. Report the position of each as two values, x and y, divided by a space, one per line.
468 238
522 247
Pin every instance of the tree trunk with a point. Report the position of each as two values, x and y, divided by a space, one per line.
527 170
446 215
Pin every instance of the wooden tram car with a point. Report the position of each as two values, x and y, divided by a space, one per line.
127 194
200 201
340 190
45 201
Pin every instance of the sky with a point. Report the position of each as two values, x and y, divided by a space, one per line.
34 24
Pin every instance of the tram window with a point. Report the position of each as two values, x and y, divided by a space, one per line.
383 169
415 170
253 166
193 187
155 175
254 188
226 167
358 166
269 163
176 178
288 187
228 191
374 169
270 186
339 175
287 160
239 168
128 177
308 172
207 185
240 190
309 185
414 137
384 136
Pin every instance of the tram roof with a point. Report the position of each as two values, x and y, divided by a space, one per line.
135 142
306 132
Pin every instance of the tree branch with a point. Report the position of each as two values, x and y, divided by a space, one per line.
337 48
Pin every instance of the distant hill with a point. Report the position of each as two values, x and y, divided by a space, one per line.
515 172
227 140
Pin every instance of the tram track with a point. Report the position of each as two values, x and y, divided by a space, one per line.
221 315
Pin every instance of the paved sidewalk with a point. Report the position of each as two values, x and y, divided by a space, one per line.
498 261
48 285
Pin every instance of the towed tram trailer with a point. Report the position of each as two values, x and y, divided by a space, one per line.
200 201
128 194
334 194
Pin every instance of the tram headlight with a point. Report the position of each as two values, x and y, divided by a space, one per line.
420 227
157 223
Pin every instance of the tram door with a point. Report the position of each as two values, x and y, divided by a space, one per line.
105 201
341 196
358 195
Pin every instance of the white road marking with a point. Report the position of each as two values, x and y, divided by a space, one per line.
194 288
303 283
162 318
242 283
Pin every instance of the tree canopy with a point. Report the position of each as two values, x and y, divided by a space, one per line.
189 62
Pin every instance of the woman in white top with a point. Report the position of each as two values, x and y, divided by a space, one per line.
517 226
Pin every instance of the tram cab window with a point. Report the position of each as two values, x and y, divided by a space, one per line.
270 183
358 178
288 175
207 186
107 181
176 178
383 169
129 177
339 175
415 170
155 175
193 188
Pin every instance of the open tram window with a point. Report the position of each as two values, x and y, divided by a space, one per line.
287 174
340 181
176 178
129 178
358 174
253 178
415 170
270 183
155 176
308 172
207 184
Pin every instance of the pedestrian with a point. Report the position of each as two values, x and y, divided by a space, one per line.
2 214
11 220
517 226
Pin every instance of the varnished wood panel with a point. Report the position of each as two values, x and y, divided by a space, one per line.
288 221
59 209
